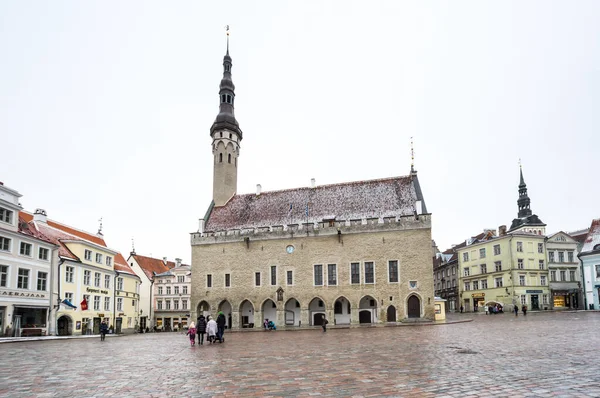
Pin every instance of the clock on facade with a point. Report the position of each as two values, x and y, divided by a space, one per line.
289 249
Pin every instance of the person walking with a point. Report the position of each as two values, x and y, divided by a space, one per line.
525 310
461 309
516 310
191 332
211 329
324 324
220 326
103 330
201 329
486 310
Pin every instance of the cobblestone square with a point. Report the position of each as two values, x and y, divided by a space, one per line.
541 355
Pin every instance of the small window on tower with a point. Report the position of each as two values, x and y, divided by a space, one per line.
229 158
229 135
220 158
221 134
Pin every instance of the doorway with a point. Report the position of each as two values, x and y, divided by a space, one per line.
364 316
96 325
535 303
414 307
391 314
63 326
118 325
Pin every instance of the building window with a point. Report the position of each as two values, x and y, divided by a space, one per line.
484 283
545 299
523 299
369 272
540 247
25 249
498 266
563 276
467 285
561 257
159 305
543 280
6 215
541 264
597 270
273 275
168 290
521 280
99 258
475 285
69 297
257 279
106 303
43 253
551 257
175 304
465 257
498 282
227 280
160 291
88 255
184 304
107 281
331 274
167 304
176 289
318 272
96 303
520 263
570 256
497 250
3 275
4 244
97 279
184 290
453 270
119 283
553 276
42 281
572 275
290 278
87 276
483 269
208 280
520 246
69 274
354 273
108 261
393 271
120 304
482 252
181 279
466 271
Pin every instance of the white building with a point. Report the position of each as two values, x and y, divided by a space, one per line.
563 269
172 295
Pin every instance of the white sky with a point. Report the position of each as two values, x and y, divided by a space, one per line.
106 106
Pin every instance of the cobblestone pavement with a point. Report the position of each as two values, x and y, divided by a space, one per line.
541 355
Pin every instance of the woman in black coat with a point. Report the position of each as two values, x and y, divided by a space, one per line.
201 328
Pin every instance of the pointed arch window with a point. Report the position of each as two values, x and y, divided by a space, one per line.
229 158
220 158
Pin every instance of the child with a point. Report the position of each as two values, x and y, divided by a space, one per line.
192 333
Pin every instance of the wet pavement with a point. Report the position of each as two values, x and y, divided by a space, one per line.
541 355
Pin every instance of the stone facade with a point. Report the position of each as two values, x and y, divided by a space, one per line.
406 240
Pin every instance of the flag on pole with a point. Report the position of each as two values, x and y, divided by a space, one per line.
84 304
69 304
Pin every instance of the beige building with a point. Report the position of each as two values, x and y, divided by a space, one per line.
356 252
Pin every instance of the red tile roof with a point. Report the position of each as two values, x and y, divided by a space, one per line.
150 265
121 265
346 201
593 237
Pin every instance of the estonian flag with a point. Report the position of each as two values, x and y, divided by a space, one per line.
68 304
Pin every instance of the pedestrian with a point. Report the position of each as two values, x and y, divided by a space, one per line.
211 329
324 324
191 332
525 310
486 310
220 326
461 309
103 330
201 329
516 310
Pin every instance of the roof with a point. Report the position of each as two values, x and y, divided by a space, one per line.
388 197
121 265
579 235
152 266
593 237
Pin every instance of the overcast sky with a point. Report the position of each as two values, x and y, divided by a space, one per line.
106 106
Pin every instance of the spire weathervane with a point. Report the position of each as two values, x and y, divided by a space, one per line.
100 227
412 156
227 31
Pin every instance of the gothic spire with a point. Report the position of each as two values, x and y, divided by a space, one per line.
523 202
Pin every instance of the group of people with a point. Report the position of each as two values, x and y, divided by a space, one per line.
524 309
494 309
269 325
214 329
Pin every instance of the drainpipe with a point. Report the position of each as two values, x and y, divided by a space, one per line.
582 290
114 325
512 280
54 321
150 315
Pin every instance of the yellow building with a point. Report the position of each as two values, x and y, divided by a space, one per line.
84 283
127 298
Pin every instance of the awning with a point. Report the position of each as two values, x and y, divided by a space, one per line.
69 304
34 307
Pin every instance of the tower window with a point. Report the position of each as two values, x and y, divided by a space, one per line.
221 134
223 98
229 135
229 158
220 158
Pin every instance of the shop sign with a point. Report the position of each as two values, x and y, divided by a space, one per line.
560 293
534 291
478 295
101 315
21 294
90 290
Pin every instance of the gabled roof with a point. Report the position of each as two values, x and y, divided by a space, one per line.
390 197
121 265
593 237
152 266
579 235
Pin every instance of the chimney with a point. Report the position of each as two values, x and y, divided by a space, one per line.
201 226
165 260
313 183
178 262
258 189
502 230
40 215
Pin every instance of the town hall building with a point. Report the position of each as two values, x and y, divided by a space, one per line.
353 253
